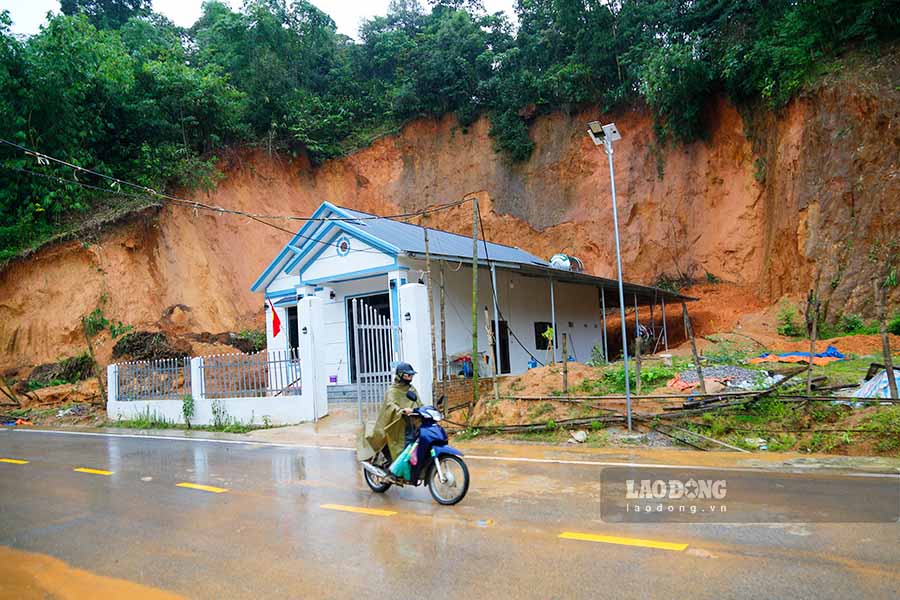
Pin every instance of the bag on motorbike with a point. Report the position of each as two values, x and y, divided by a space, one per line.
414 454
400 467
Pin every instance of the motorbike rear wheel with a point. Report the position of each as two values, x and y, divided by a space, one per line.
377 484
457 484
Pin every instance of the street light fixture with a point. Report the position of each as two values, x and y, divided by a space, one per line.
605 135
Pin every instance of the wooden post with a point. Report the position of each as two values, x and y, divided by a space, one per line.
565 358
445 364
430 310
637 364
812 319
475 360
689 332
885 339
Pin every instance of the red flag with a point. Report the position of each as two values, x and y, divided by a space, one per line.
276 322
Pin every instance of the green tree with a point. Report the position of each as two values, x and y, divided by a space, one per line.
107 14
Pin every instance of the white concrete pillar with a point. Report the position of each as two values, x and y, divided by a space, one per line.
396 279
416 338
198 387
314 379
112 384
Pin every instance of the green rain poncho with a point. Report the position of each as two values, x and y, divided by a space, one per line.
390 426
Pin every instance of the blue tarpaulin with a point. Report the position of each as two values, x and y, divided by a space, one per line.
830 352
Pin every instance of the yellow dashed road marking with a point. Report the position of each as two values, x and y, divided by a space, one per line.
14 461
92 471
361 510
623 541
204 488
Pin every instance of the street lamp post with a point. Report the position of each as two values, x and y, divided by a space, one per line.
605 135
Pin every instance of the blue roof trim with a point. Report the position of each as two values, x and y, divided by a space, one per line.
281 294
286 302
325 206
322 237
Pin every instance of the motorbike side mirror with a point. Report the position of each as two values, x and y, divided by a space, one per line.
412 395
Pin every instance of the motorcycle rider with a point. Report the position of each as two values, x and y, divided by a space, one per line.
392 431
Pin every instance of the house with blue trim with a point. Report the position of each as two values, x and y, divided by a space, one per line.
341 255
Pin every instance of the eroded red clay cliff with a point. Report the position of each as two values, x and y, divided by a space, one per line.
807 201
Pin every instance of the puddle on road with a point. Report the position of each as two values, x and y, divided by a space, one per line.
28 575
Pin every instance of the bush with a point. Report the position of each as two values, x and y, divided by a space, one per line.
850 323
147 345
68 370
893 325
249 340
787 321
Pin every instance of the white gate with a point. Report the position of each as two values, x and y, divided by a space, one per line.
374 351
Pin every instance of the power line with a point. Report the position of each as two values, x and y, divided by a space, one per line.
44 158
497 300
145 191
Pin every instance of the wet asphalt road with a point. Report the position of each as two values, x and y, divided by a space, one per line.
268 535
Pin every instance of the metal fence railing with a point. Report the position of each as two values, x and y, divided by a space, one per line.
266 373
164 379
373 343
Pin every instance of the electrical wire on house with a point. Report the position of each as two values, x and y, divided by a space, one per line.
496 299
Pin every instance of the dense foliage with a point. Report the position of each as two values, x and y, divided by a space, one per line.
112 86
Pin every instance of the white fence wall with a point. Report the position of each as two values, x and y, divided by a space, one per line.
267 406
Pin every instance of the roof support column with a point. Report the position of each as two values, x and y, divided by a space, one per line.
605 334
553 317
637 323
496 318
665 332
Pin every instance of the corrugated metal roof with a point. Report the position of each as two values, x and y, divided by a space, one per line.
410 238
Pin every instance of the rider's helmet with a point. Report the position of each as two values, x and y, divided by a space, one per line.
404 368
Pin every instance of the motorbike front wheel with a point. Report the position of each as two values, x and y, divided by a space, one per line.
456 483
379 485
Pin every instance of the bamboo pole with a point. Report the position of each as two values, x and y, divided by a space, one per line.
690 334
885 340
565 358
445 366
474 309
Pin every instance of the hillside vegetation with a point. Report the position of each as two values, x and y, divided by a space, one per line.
111 86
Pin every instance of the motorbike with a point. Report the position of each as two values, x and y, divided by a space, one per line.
437 465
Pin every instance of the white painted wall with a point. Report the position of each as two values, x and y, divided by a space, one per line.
285 410
416 338
331 264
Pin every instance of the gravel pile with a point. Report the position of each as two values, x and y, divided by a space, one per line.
740 377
